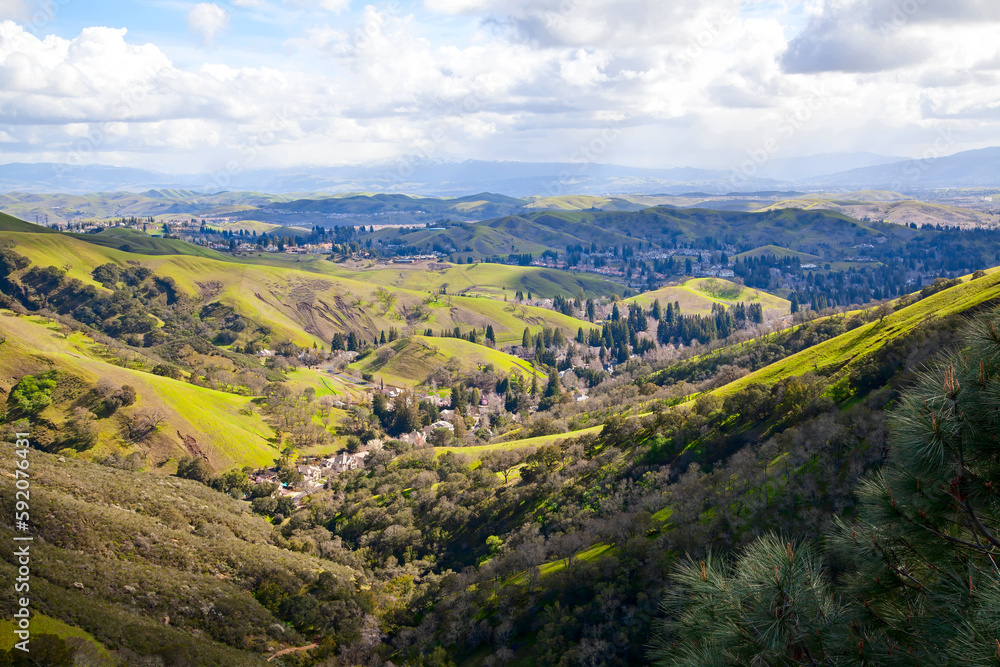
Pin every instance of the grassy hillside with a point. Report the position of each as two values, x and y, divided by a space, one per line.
696 297
296 305
778 252
9 223
477 452
820 232
890 207
836 357
493 280
157 565
212 423
481 240
46 625
132 241
583 202
413 358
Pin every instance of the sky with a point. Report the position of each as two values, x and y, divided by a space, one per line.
184 87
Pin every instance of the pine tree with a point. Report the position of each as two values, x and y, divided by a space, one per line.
920 580
771 606
925 548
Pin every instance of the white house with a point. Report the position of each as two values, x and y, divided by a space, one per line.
441 424
343 462
310 473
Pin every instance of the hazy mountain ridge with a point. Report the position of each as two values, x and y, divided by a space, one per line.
976 168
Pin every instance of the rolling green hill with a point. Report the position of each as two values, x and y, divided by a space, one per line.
492 280
483 204
777 251
132 241
197 421
697 295
296 305
822 233
490 550
835 358
9 223
583 202
408 361
892 207
473 240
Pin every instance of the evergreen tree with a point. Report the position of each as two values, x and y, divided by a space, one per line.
553 388
772 606
920 582
925 548
458 398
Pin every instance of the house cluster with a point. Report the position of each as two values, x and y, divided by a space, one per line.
413 259
314 473
320 470
309 249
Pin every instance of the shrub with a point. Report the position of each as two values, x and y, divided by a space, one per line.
33 394
191 467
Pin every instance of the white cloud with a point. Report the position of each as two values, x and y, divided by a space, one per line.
335 6
17 10
206 20
686 81
879 35
584 69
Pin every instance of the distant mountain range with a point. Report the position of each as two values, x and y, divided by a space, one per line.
830 171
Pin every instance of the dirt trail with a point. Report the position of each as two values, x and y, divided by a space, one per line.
293 649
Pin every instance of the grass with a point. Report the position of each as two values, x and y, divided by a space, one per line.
325 384
223 431
477 452
46 625
133 241
778 251
415 357
697 296
491 280
582 202
889 206
294 304
836 356
590 554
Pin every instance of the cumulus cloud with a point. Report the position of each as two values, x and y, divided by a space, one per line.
864 36
17 10
593 23
684 81
206 20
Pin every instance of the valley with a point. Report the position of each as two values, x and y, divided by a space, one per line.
333 444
